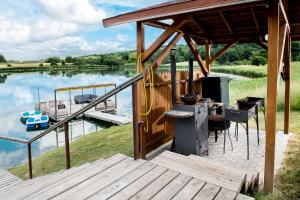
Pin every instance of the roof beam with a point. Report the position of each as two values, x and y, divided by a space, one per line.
167 50
167 10
256 22
262 45
162 25
221 52
163 38
226 22
195 52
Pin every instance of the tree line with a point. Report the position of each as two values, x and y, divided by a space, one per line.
239 54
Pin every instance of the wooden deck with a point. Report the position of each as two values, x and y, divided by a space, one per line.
70 108
168 176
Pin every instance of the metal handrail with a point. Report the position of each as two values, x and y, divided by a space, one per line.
71 117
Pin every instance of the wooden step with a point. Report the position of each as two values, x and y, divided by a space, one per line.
59 179
252 177
64 184
244 197
36 182
7 179
87 188
188 166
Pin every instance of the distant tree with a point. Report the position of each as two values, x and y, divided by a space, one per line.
63 62
41 64
53 60
2 59
69 59
112 60
9 65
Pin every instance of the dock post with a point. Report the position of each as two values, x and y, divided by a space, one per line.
67 145
29 161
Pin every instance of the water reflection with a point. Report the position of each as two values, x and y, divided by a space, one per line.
18 93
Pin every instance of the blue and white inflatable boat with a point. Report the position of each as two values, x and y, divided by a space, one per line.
41 121
28 114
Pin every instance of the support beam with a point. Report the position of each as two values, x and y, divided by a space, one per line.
226 22
163 38
281 48
271 108
287 65
284 14
262 45
196 54
221 52
138 101
166 50
256 23
208 56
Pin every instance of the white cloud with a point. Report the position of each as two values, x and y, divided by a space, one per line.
131 3
13 32
47 29
75 11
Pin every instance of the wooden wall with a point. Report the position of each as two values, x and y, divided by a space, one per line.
161 128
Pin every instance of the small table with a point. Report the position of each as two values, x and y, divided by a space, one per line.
242 116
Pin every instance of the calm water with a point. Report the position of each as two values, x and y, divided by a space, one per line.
19 92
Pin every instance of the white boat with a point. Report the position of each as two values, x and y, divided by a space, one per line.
41 121
27 114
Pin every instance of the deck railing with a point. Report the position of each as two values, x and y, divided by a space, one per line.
66 121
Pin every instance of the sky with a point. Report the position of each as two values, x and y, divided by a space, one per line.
37 29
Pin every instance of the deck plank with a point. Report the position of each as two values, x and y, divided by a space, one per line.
208 192
153 188
225 194
190 190
251 178
126 180
56 183
194 172
91 186
139 184
208 167
244 197
173 188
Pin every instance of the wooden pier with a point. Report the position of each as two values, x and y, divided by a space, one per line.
108 117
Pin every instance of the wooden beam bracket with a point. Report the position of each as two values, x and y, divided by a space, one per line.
221 52
196 54
163 38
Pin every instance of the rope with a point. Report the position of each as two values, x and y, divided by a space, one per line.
151 82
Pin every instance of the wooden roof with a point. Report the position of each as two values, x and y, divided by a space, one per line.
216 21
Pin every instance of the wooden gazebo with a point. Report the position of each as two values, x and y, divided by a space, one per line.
271 24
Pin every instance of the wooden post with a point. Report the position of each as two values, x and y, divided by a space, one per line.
29 161
208 56
139 99
273 34
67 145
287 65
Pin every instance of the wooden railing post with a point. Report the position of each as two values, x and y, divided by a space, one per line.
29 161
67 145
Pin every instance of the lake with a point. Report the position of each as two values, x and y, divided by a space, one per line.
19 93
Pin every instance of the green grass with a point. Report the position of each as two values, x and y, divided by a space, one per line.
243 70
103 144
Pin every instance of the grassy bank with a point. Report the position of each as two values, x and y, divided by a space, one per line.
117 139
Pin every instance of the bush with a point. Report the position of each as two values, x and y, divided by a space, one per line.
53 64
258 60
63 62
41 64
9 65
